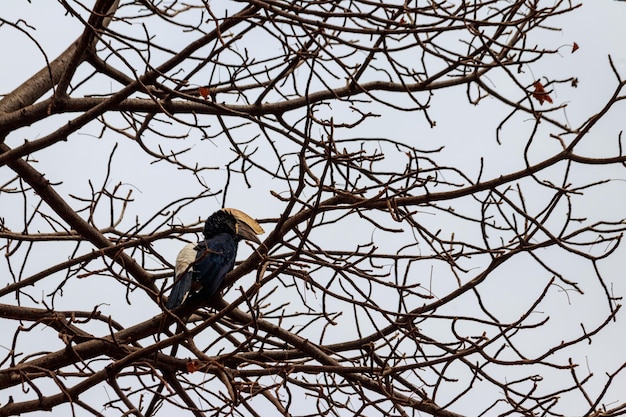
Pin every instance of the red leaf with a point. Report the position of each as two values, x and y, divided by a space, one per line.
575 47
193 366
540 93
204 92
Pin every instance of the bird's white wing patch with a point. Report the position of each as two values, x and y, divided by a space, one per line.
185 257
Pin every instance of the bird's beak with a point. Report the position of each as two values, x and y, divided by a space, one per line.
247 227
247 232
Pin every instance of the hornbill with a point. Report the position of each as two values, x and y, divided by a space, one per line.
201 268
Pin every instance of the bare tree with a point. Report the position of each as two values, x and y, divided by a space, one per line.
403 271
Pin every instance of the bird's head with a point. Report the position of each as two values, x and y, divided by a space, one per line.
235 222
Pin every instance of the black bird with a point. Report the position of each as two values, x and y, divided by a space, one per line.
201 268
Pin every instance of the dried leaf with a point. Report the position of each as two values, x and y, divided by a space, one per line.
575 47
204 92
193 366
540 93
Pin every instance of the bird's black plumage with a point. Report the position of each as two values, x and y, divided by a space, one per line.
201 268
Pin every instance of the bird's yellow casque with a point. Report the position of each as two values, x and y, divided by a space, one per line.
243 217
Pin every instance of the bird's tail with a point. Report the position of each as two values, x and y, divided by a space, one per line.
180 291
